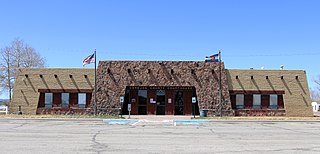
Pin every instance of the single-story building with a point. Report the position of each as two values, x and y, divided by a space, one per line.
162 88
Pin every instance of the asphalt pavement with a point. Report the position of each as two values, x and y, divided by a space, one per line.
157 136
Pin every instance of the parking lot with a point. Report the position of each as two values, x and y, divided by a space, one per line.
165 136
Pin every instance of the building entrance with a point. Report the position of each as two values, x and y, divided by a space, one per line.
160 100
178 102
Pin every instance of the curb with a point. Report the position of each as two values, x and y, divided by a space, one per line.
266 121
55 119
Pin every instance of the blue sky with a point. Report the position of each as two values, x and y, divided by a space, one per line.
249 33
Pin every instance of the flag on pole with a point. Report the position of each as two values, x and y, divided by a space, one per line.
88 60
212 58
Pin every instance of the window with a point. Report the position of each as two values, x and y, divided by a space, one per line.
256 101
82 100
142 97
239 101
273 101
65 100
142 100
48 100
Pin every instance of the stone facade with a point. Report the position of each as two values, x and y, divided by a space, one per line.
114 76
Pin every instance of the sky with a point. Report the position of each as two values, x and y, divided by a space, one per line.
249 33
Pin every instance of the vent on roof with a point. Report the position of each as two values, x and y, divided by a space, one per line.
192 71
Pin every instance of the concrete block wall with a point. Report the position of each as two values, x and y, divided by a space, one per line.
297 100
28 82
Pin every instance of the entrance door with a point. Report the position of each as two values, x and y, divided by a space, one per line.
161 102
142 102
178 103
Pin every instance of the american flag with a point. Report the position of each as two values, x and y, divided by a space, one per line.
88 60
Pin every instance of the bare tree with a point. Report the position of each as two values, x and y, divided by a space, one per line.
17 55
317 81
315 93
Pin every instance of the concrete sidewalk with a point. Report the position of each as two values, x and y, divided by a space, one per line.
158 117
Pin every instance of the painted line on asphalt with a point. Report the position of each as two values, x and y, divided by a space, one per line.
191 121
120 122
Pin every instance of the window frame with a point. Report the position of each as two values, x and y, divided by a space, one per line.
239 101
81 105
273 105
256 101
46 97
63 100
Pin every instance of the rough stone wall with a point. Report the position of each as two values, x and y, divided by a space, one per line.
296 99
114 76
25 91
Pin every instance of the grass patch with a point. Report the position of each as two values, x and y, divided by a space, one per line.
260 118
60 116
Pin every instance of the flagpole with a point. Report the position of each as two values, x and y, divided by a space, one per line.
220 92
95 83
